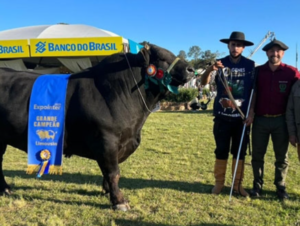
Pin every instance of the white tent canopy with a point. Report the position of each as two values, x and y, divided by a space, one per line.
58 31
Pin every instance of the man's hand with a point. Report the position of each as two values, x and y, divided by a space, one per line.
206 76
249 120
216 66
293 140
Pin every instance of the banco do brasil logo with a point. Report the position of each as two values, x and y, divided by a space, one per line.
40 47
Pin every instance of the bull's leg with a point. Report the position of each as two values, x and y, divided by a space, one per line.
4 188
105 152
105 187
111 176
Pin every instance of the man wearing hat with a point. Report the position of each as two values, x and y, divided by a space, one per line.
273 84
228 123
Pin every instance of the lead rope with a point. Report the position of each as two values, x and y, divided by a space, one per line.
137 84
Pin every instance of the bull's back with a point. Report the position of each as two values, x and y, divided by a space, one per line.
15 90
15 87
99 109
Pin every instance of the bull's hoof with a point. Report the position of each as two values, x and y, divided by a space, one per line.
6 192
123 207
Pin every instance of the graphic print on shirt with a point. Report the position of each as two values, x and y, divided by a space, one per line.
227 104
236 86
282 86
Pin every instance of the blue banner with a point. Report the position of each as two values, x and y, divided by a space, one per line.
46 124
134 46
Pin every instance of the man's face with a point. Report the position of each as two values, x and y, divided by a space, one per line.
275 55
236 48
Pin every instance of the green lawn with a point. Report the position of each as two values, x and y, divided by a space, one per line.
167 180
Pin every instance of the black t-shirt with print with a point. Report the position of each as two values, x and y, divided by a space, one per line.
240 82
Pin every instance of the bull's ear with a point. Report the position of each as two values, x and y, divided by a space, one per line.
143 56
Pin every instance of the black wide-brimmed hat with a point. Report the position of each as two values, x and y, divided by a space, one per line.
237 36
275 42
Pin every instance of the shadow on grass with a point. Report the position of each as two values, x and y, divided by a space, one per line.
124 222
128 183
132 184
208 112
72 203
267 195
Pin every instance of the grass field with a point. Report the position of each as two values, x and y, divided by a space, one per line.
167 181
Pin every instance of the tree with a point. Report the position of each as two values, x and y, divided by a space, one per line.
182 55
205 58
194 52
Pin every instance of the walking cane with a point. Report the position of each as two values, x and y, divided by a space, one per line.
242 138
239 151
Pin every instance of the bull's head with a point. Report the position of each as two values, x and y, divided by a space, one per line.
164 68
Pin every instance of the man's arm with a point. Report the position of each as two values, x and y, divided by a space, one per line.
251 113
206 76
250 117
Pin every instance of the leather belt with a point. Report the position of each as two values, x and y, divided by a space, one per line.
272 116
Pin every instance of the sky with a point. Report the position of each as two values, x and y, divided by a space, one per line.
172 24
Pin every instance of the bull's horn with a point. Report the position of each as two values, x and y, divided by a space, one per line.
147 47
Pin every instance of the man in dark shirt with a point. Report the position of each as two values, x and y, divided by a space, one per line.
228 124
273 85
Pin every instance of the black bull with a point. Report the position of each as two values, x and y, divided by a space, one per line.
105 111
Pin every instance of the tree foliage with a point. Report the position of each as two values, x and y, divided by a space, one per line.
185 95
182 55
194 52
198 58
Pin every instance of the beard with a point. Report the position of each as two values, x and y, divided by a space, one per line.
235 57
274 60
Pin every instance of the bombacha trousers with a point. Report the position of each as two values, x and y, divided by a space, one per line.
228 135
263 128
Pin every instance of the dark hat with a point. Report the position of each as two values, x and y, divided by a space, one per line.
237 36
275 42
